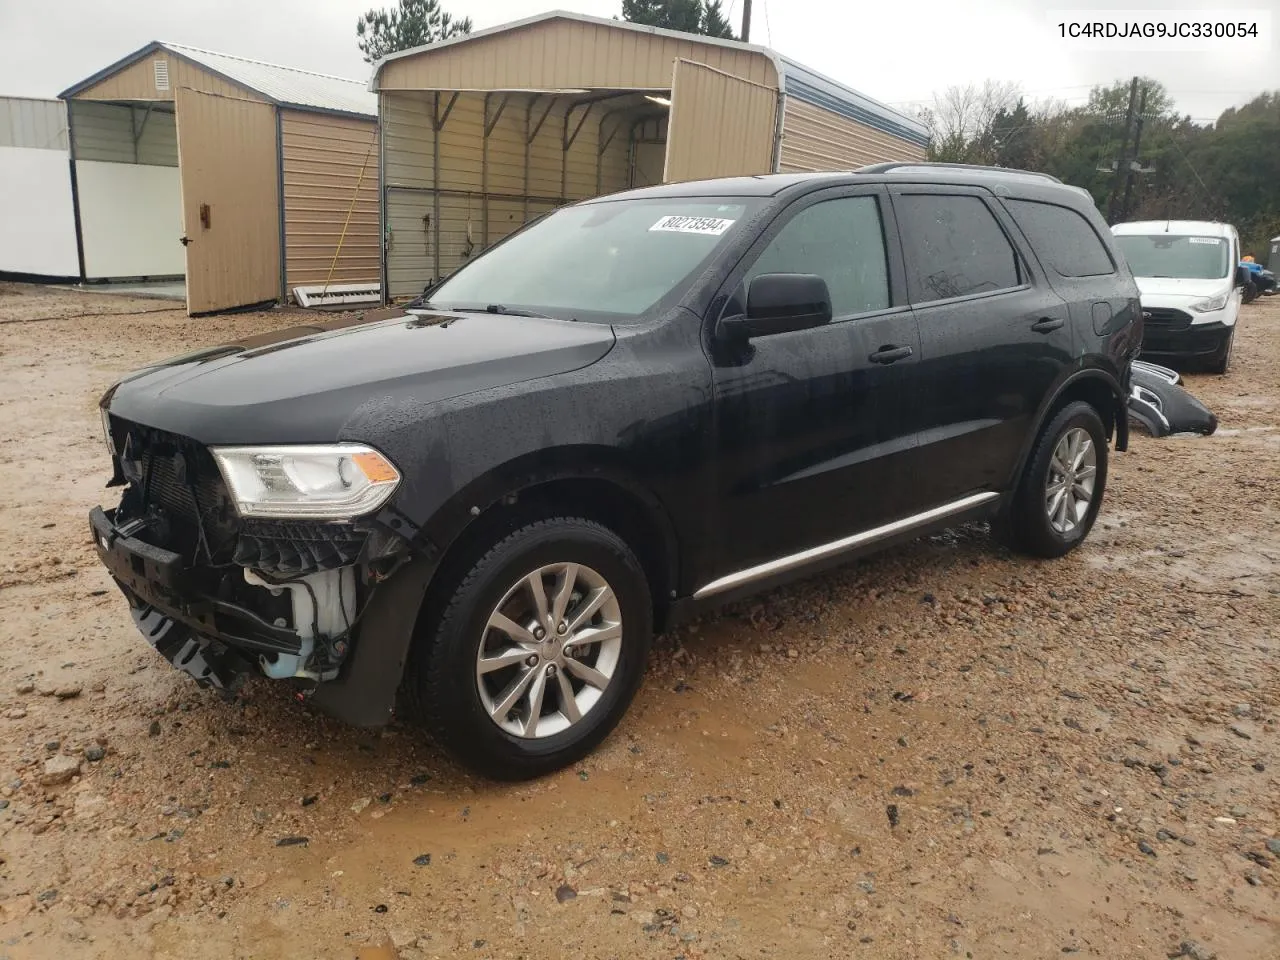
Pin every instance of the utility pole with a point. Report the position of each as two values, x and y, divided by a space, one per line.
1113 205
746 21
1137 144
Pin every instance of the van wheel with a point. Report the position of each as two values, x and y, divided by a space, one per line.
1061 490
1221 360
538 652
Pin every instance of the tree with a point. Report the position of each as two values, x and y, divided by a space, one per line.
960 121
1228 170
411 23
714 22
688 16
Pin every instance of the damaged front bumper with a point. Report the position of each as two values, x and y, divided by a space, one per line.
299 627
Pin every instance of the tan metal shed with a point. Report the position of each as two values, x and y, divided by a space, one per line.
244 178
482 133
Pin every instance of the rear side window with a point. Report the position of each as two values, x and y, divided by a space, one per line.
840 240
1062 238
954 247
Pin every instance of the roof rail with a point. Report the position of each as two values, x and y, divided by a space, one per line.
901 164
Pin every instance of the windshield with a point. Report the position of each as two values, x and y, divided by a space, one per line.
1182 258
600 261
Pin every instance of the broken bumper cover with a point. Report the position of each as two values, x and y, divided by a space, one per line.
214 640
152 576
1162 407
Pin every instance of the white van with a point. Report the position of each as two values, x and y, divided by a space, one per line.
1190 284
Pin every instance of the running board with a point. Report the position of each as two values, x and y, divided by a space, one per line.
814 554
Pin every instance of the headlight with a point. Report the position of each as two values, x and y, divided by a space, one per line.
335 481
106 430
1210 305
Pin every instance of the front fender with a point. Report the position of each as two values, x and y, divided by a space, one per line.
364 693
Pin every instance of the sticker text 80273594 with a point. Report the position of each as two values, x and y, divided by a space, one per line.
708 226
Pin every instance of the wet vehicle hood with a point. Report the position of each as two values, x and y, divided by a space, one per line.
302 384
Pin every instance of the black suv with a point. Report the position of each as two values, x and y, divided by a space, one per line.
633 409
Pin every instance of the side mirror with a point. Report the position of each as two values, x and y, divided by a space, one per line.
780 303
1242 276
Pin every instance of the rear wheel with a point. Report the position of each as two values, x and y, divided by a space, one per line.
538 652
1061 490
1221 359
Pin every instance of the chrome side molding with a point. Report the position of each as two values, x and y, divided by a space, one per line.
804 557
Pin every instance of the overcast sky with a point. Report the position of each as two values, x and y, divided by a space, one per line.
900 53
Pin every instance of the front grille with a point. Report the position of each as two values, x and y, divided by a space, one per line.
1166 318
176 478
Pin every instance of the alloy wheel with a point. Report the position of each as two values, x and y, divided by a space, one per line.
550 650
1069 485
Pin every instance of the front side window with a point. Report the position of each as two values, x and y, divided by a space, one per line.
1062 237
841 241
1176 257
606 261
954 247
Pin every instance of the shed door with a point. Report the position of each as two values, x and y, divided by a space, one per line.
227 159
721 125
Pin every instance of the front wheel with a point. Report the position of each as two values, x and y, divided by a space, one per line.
1060 493
1221 359
539 651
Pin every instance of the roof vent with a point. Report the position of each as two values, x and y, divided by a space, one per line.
161 68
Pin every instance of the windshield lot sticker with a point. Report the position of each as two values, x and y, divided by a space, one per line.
708 226
1213 240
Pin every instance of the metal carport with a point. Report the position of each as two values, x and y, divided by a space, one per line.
483 132
246 178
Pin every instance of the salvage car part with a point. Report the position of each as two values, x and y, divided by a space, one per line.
1162 407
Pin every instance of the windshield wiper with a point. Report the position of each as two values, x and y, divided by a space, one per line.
504 310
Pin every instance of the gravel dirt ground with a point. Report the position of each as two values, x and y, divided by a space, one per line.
944 751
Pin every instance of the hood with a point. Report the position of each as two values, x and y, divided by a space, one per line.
300 385
1172 288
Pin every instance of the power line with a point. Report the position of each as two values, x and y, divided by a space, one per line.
1187 160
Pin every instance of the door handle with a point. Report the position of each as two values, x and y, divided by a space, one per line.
1048 324
890 354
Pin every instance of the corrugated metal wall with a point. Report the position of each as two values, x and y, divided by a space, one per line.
564 55
721 125
476 207
138 82
120 133
37 222
36 124
324 159
227 153
817 139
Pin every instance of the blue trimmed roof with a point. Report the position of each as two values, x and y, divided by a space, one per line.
812 87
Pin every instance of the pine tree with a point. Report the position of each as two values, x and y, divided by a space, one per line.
688 16
714 23
411 23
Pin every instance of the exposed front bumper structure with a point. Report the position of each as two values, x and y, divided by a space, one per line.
155 577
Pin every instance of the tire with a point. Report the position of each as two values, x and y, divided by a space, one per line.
1250 292
1026 525
446 691
1221 359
